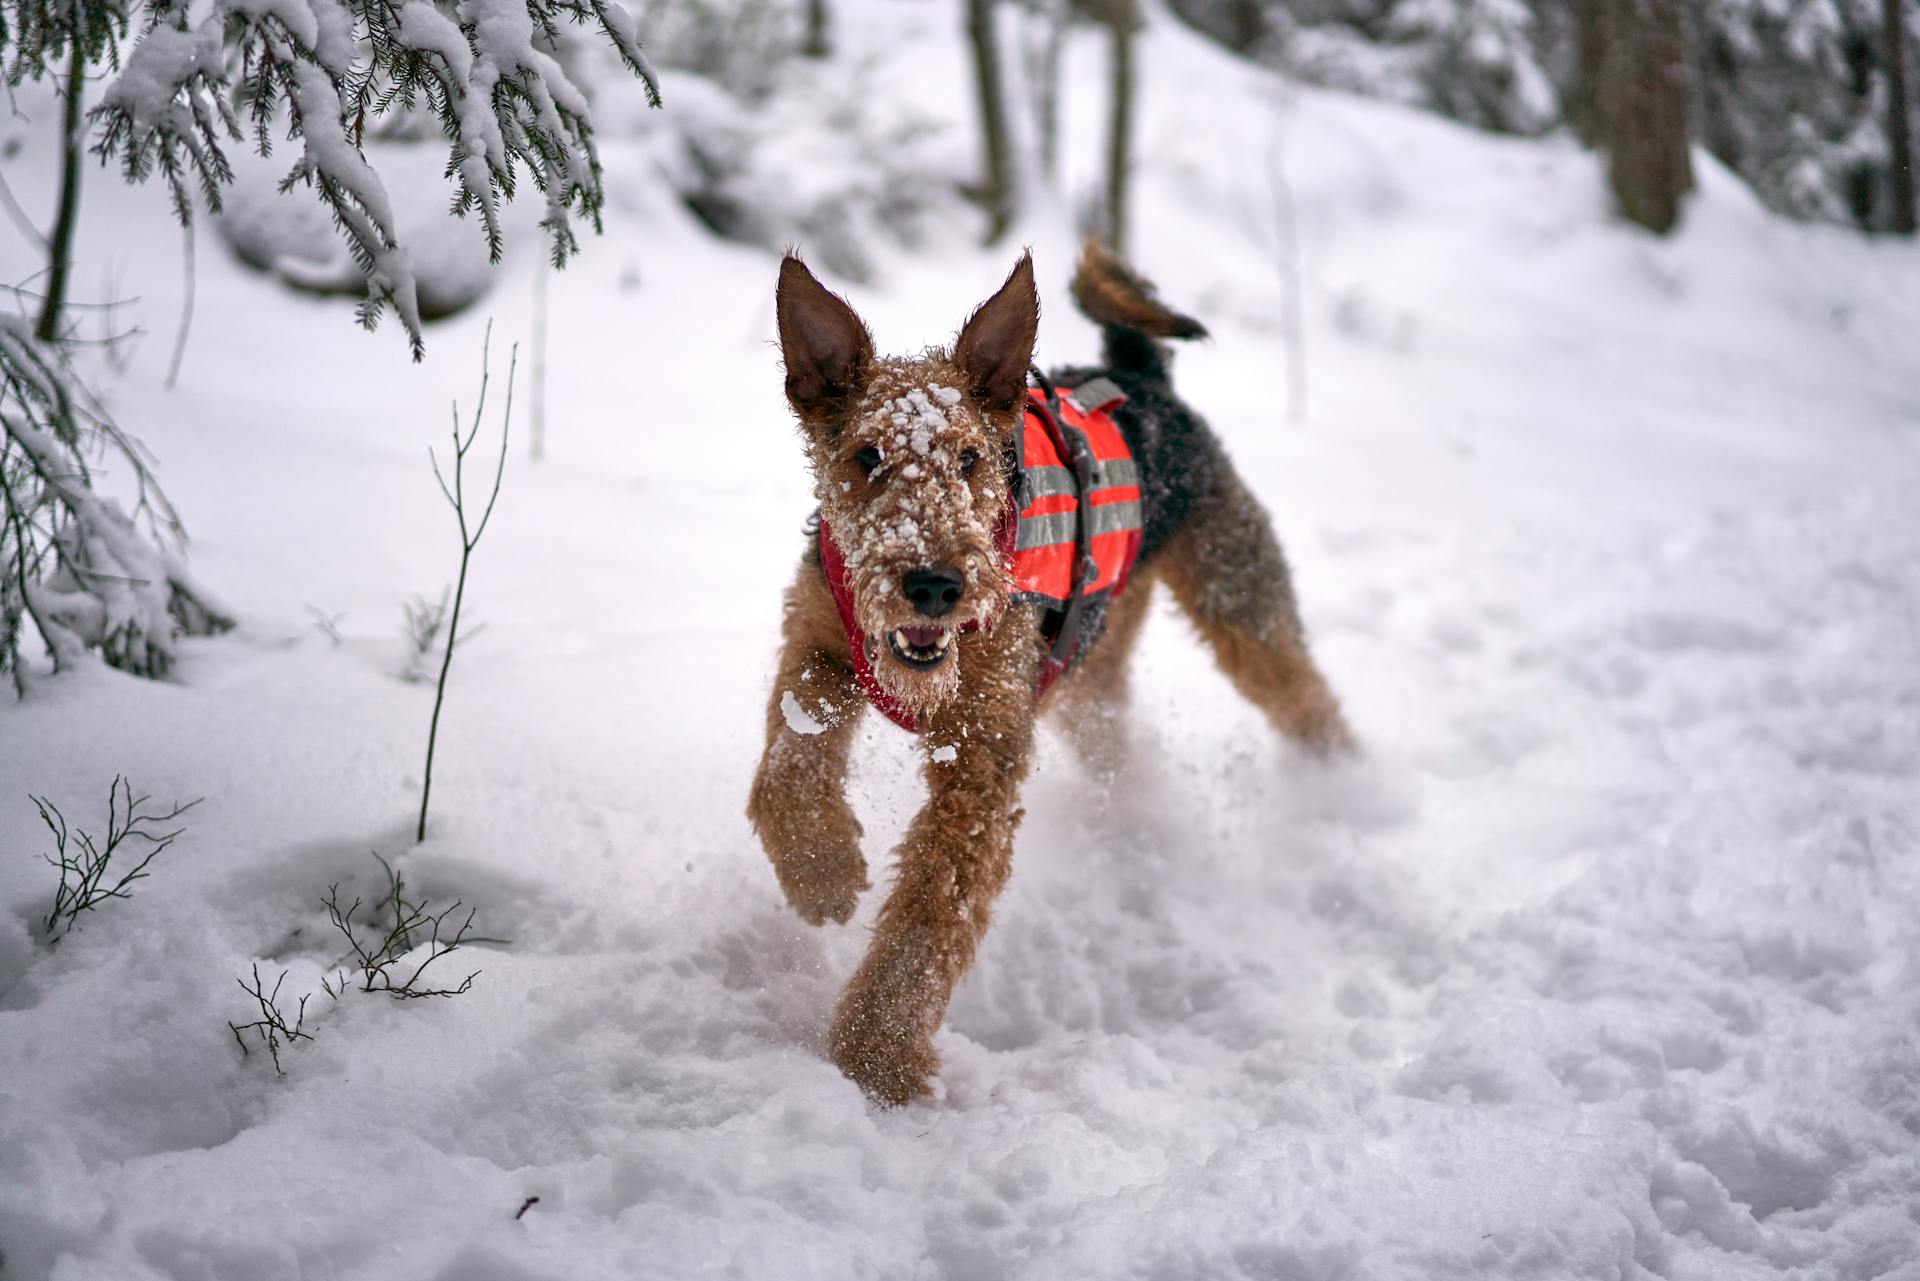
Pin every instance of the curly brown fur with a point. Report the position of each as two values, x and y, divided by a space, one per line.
906 456
1112 293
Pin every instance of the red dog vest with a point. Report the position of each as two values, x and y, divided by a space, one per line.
1070 535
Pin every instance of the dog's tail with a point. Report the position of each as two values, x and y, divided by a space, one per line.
1133 320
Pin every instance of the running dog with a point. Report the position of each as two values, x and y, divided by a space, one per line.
985 531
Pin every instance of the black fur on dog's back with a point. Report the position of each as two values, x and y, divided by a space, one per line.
1179 458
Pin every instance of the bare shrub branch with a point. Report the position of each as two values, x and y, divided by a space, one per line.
456 496
394 929
88 875
271 1027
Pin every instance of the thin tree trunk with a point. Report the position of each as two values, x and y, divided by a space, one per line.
1899 121
815 44
186 310
996 189
1120 123
1293 308
1044 72
60 249
538 436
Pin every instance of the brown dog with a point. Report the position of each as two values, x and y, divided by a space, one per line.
909 596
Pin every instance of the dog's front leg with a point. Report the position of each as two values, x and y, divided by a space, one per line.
798 804
953 862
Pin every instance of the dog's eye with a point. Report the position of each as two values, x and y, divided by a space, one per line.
968 460
868 458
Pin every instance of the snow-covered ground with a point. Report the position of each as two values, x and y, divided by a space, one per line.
1602 963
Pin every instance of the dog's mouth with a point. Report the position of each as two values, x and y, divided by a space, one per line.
921 648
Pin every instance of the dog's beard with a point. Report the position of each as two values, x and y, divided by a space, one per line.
921 690
919 660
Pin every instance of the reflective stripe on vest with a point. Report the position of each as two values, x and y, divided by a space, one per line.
1048 534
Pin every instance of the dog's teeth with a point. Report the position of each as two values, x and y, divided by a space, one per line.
946 638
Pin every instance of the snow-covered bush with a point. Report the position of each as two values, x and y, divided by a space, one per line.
1474 60
836 177
738 44
320 70
292 240
75 566
1794 97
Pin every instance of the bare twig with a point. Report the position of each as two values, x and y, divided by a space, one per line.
271 1027
395 928
1286 227
186 307
423 620
87 875
456 497
329 624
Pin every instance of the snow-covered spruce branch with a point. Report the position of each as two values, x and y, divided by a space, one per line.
85 573
484 68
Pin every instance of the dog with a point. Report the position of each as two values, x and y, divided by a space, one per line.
919 593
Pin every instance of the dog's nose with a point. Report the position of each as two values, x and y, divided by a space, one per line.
934 592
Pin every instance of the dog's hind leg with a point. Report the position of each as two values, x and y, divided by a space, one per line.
954 860
1090 705
1226 569
798 804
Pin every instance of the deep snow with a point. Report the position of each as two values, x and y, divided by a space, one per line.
1602 963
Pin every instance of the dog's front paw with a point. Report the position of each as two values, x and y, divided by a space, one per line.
824 883
814 845
893 1064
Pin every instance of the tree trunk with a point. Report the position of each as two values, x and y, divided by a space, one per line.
996 185
1120 123
815 44
60 243
1043 74
1899 121
1631 103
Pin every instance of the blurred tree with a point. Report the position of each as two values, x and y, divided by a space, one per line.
1899 120
1631 103
995 191
1121 21
1044 47
814 44
321 70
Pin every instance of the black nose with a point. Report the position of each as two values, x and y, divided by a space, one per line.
934 592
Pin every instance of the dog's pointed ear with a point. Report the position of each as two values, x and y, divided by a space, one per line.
995 347
826 346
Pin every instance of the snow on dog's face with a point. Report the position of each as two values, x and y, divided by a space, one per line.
908 463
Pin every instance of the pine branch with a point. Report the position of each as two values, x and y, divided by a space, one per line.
483 68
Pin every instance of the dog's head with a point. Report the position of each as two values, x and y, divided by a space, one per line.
910 463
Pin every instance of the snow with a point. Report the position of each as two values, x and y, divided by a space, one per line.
798 719
1600 963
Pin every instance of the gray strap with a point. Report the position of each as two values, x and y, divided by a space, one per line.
1097 394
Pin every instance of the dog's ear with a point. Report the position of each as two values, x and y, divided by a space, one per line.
996 345
825 344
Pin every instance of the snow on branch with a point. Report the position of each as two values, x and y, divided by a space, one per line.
484 68
82 570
